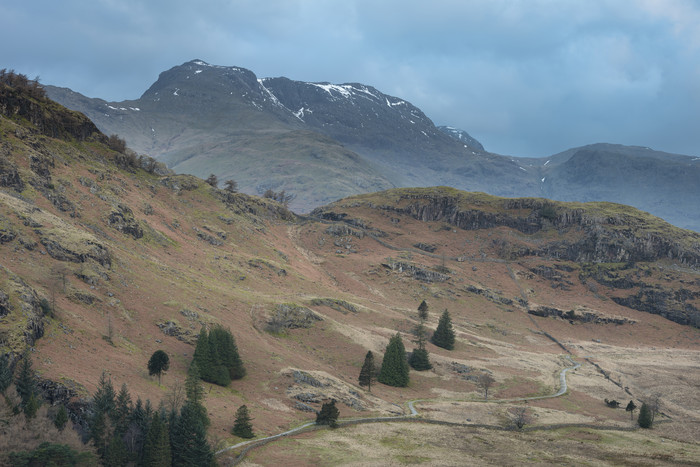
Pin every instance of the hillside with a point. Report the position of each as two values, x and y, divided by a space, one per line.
322 142
133 262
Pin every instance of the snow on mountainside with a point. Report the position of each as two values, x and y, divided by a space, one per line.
323 141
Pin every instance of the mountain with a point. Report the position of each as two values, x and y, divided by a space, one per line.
105 261
462 136
321 141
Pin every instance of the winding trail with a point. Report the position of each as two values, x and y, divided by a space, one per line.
247 445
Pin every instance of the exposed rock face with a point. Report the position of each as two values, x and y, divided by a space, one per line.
123 220
584 316
671 304
88 250
9 176
21 300
291 316
416 272
603 237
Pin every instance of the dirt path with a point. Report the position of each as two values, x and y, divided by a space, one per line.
248 445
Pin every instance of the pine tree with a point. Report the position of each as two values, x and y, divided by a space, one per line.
423 311
188 440
61 418
115 454
227 352
31 407
419 360
156 450
644 419
122 410
202 356
5 374
243 427
444 335
195 394
394 370
367 373
631 407
25 383
158 363
328 415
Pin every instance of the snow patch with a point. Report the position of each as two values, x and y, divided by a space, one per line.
524 170
329 88
196 72
546 163
543 179
135 109
175 93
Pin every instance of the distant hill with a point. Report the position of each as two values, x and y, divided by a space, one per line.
322 141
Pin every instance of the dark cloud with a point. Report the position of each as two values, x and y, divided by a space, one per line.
526 78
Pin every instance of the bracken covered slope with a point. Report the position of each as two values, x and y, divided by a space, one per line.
131 262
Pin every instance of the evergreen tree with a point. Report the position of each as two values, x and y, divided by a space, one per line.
243 427
61 418
644 419
226 352
444 336
135 436
122 410
202 356
328 415
101 429
5 374
367 373
219 373
423 311
188 440
419 360
631 407
31 407
156 450
115 453
394 370
195 394
158 363
25 383
103 400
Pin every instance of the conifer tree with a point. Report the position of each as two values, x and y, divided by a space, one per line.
61 418
243 427
644 419
394 370
156 450
367 373
423 311
226 352
122 410
25 383
195 394
631 407
188 441
444 335
31 407
115 454
419 360
5 374
202 356
328 415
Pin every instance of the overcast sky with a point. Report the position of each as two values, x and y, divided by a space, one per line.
526 78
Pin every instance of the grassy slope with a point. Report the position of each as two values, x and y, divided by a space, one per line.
175 273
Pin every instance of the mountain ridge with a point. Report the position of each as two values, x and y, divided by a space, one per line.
227 121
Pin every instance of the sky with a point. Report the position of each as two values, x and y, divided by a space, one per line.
525 77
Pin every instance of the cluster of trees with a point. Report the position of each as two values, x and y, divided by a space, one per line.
21 82
229 185
280 196
394 370
217 358
135 433
647 412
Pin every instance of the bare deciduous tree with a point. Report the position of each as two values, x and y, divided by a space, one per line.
484 382
519 417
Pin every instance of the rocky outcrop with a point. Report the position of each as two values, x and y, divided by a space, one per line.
580 315
76 252
417 272
598 232
338 305
22 301
291 316
122 219
673 305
